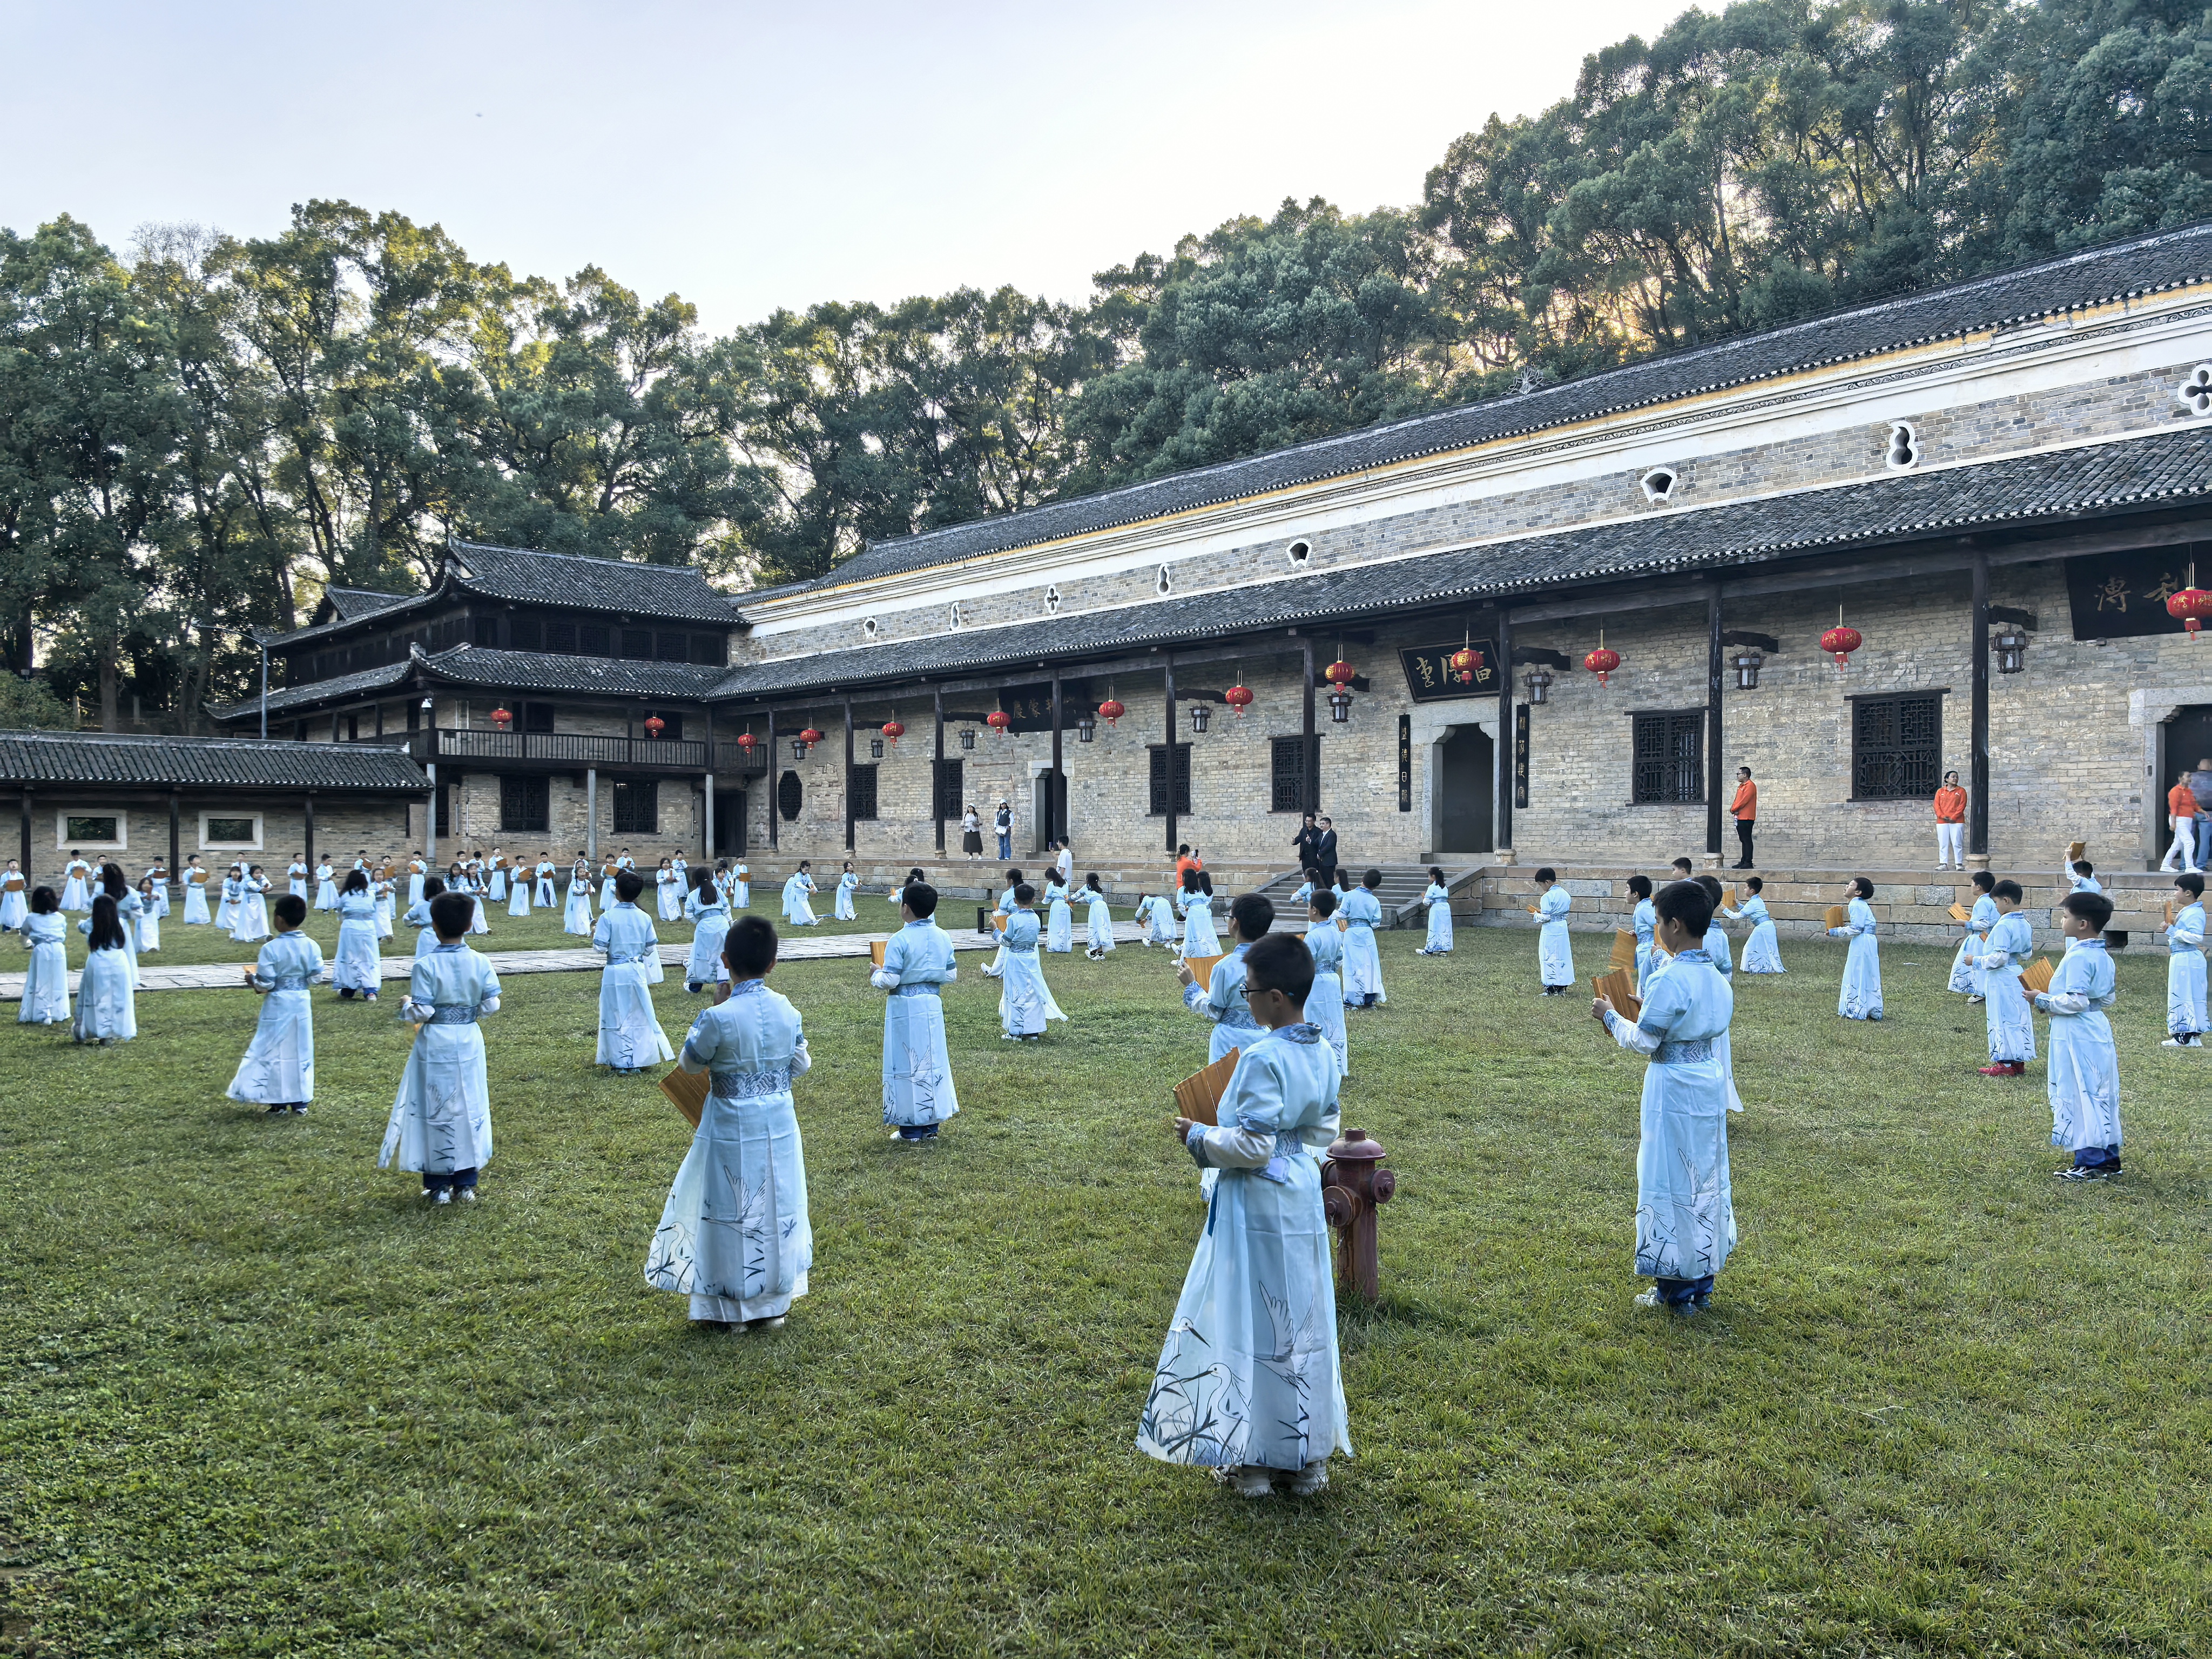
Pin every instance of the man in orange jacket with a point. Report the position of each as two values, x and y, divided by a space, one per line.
1745 809
1950 825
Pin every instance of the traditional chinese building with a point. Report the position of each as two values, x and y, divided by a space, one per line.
1987 492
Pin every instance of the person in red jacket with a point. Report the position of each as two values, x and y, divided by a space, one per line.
1950 825
1745 810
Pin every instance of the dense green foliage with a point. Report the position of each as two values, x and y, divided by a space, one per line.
194 438
258 1399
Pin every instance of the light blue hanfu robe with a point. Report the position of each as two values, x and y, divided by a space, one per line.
918 964
741 891
196 904
541 896
416 875
1439 942
278 1068
296 880
326 887
1555 954
250 921
495 888
1324 1002
2084 1067
997 965
2006 1014
1250 1373
1645 921
1059 925
76 889
1199 936
734 1236
1717 953
1025 1001
1221 1000
2185 972
128 909
1762 952
577 916
796 910
1685 1211
1966 971
146 929
382 892
847 885
518 894
106 1010
629 1034
710 928
45 985
357 967
1860 995
440 1122
1156 917
418 916
227 907
1097 922
1362 963
1303 898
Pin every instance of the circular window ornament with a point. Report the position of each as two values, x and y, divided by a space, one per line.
2195 392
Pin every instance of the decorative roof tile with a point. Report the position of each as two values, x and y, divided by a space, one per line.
44 758
531 671
673 593
2009 299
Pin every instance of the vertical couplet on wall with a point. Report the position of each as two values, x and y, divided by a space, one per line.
1405 763
1505 761
848 774
1713 719
1309 768
768 781
1521 755
1169 665
937 768
1056 792
1978 782
176 838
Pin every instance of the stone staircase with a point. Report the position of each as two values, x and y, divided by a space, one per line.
1400 894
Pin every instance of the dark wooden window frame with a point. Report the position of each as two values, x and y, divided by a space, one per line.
525 804
1286 774
1898 767
631 794
1157 804
952 778
1667 757
861 792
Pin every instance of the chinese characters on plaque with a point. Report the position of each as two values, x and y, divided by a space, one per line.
2121 595
1032 705
1429 677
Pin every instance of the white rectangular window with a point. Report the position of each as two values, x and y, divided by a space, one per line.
231 832
107 832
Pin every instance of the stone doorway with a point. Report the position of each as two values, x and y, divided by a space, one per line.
1466 778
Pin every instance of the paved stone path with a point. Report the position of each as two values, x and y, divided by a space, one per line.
796 947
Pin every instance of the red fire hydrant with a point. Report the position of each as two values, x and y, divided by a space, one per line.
1353 1184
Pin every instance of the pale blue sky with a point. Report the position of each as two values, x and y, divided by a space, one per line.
751 156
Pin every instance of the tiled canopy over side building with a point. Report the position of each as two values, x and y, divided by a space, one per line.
1996 485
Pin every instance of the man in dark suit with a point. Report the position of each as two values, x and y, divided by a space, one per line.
1307 844
1325 854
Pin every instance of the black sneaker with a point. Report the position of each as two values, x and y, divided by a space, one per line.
279 1109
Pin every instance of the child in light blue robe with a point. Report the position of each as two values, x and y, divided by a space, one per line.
358 968
1304 896
1005 906
1555 955
541 896
1684 1210
440 1122
1967 972
195 886
1860 997
1717 951
710 926
146 925
1156 918
418 916
1059 928
1195 902
2076 876
76 884
796 910
326 887
1249 1380
1762 952
918 964
1643 921
1356 915
741 892
46 986
2084 1067
2005 1014
1324 1002
1025 1001
1437 897
847 885
106 1010
1097 918
381 890
1221 1000
734 1236
576 915
278 1068
2184 964
295 878
517 892
630 1037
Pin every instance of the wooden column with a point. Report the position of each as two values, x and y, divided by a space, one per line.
307 831
1310 765
1713 774
848 774
27 883
937 767
770 785
1169 760
707 818
592 812
1977 786
1056 790
1501 838
176 811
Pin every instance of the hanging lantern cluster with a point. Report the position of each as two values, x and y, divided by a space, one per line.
1840 641
745 741
893 731
1339 675
1602 662
2191 606
999 720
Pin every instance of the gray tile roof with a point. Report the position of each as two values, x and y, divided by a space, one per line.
335 690
42 758
673 593
2142 266
349 603
2168 469
531 671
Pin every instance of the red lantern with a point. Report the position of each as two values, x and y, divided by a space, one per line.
1238 697
810 737
1466 663
1839 642
1601 662
999 720
502 717
745 741
2191 606
1111 710
893 731
1339 672
654 725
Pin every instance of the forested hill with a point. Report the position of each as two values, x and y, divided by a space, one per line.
198 432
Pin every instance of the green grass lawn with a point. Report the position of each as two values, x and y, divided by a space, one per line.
259 1399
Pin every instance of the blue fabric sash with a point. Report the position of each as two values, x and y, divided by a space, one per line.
1688 1052
452 1013
750 1085
929 990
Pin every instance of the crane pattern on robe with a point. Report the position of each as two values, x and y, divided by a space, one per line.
673 1260
1205 1417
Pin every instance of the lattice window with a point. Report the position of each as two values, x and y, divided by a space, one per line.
560 638
1896 747
860 793
789 795
1287 771
670 647
1669 750
637 644
1159 807
637 809
950 786
523 806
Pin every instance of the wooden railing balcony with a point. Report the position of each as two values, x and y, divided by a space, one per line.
572 749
